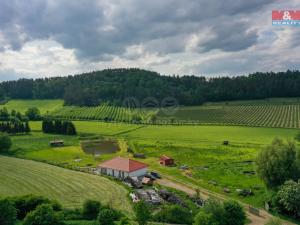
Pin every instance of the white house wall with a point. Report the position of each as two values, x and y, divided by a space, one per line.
116 173
138 173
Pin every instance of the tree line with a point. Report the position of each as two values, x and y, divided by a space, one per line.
57 126
115 85
13 122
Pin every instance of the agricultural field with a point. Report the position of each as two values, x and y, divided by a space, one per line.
260 115
278 113
45 106
211 164
103 112
21 177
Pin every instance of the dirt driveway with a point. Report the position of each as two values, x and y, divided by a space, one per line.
255 220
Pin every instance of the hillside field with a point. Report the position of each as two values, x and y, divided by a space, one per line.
43 105
21 177
278 113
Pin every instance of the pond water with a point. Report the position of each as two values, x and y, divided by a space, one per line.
98 147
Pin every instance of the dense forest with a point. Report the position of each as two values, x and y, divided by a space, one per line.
115 85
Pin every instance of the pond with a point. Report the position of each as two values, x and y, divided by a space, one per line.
98 147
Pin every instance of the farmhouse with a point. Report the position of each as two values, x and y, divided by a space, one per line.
166 161
123 167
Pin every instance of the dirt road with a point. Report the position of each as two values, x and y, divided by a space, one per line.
205 194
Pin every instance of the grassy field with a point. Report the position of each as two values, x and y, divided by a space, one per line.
43 105
20 177
199 147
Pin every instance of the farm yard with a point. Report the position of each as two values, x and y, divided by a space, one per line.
21 177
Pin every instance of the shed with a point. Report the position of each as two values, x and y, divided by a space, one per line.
56 143
166 161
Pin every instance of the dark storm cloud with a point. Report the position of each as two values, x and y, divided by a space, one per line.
98 29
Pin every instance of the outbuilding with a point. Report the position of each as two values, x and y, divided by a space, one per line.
121 168
166 161
56 143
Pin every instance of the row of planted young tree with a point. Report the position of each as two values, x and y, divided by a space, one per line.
57 126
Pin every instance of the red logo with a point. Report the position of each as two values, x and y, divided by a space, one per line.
286 15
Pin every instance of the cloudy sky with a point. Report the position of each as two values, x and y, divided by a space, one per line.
60 37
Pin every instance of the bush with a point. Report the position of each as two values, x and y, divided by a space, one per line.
106 217
44 215
142 213
234 213
8 212
5 142
27 203
203 218
33 113
277 163
215 213
174 214
288 198
91 209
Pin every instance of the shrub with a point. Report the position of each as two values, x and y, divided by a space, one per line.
25 204
203 218
44 215
8 212
216 210
174 214
5 142
91 209
105 217
234 213
277 163
142 213
33 113
288 198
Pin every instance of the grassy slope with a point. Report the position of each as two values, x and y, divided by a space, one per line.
19 177
43 105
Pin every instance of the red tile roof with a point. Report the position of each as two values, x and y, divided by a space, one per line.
123 164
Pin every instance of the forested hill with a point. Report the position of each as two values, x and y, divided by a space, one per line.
114 85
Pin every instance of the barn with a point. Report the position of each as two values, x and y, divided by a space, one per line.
121 168
166 161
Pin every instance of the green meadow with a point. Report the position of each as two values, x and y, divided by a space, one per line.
44 106
212 165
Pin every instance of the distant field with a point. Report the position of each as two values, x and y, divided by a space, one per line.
43 105
262 115
20 177
277 112
104 112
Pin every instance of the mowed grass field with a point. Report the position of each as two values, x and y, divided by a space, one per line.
43 105
70 188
